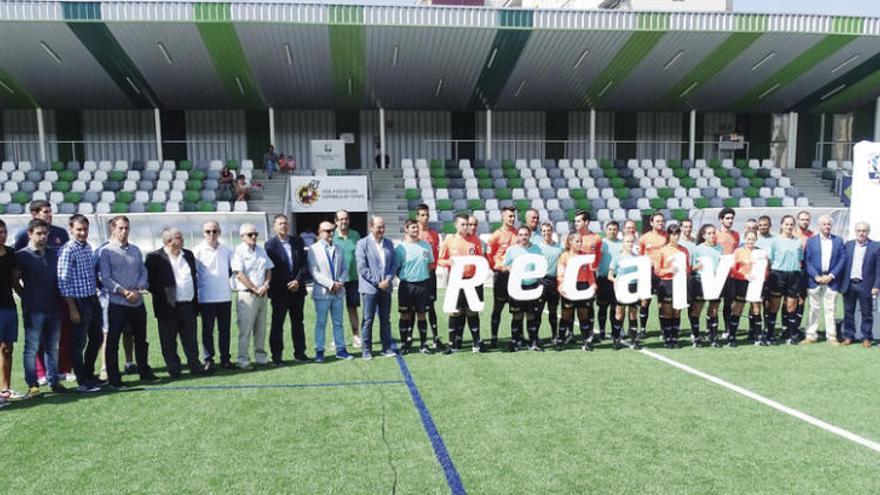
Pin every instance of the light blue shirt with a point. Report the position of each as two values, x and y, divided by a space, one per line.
690 246
706 251
765 242
514 252
786 254
610 250
551 253
615 268
413 260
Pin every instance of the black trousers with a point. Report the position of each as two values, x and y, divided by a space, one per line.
220 312
183 324
134 319
290 303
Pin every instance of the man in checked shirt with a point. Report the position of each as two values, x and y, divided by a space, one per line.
77 283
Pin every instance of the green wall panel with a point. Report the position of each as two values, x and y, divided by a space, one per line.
218 34
348 52
14 93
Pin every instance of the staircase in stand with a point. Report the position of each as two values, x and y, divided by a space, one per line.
820 192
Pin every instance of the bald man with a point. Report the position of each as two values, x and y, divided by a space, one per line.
376 266
328 269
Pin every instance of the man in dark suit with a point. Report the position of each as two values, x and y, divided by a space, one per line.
824 261
377 267
287 289
172 278
861 284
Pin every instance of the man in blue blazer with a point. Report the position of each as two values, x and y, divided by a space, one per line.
376 269
824 261
328 268
287 290
860 284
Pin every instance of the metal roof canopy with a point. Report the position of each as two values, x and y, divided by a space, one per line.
186 55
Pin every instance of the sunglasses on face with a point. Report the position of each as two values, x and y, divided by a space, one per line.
327 230
212 231
252 234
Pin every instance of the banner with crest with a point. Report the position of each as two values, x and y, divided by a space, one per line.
865 199
328 194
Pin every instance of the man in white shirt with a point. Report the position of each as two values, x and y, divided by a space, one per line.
253 272
213 262
173 282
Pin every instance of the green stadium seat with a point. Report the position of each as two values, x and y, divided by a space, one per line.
441 183
493 226
606 163
61 186
611 173
582 204
435 163
741 163
188 166
20 197
511 173
714 163
57 166
722 173
207 206
124 197
688 182
701 203
230 164
774 202
665 192
646 213
67 175
119 208
2 209
751 192
673 163
475 204
748 173
569 215
621 193
731 203
658 203
412 215
522 204
680 173
438 173
115 175
188 196
412 194
728 182
190 206
577 194
617 182
508 164
155 207
515 183
680 214
756 182
502 193
485 183
194 185
444 205
482 173
197 175
448 227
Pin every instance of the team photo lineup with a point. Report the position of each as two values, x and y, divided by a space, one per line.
97 294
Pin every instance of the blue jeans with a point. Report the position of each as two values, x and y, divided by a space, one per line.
40 328
87 339
333 305
859 292
381 302
270 168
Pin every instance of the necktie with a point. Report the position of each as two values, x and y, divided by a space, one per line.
330 260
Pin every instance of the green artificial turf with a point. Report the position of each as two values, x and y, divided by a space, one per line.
553 422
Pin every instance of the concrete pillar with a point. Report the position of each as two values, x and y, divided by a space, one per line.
593 133
157 120
41 132
488 134
820 154
272 126
692 136
791 143
381 138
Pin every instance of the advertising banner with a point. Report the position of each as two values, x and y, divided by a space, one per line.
328 194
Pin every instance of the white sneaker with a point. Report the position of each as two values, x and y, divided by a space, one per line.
69 377
356 342
42 381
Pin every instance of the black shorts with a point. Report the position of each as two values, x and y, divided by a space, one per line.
413 296
352 295
728 292
532 306
500 286
633 287
740 288
695 290
432 286
664 290
551 291
462 305
584 303
604 291
785 284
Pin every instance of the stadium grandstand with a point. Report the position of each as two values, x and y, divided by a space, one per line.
176 112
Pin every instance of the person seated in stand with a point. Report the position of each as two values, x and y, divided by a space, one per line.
286 164
227 179
242 188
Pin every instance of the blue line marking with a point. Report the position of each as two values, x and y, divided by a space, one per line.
280 385
452 477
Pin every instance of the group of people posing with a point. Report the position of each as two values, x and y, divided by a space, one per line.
79 303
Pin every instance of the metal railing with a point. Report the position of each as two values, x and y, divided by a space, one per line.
580 148
82 150
833 150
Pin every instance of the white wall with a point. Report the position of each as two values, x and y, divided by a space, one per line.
406 135
119 135
216 134
514 135
20 135
295 129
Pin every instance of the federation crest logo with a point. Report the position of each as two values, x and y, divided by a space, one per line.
308 194
874 167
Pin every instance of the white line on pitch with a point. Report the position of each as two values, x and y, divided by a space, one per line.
852 437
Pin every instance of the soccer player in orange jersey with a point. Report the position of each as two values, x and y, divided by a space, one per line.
650 244
664 269
497 246
586 278
462 244
744 257
430 236
728 239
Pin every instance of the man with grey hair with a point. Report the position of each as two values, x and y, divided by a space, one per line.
861 284
376 267
327 265
824 262
173 281
213 261
253 273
